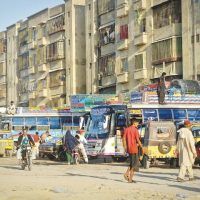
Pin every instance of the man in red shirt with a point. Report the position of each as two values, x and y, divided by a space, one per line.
131 142
36 139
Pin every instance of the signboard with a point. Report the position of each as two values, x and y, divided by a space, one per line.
86 102
136 97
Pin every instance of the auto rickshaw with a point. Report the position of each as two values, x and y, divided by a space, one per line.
159 143
196 133
6 144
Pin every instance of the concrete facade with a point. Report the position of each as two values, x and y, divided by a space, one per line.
75 48
3 84
12 63
150 36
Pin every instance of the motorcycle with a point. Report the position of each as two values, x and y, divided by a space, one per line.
26 160
77 156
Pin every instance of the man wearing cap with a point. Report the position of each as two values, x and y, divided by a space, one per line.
24 139
186 151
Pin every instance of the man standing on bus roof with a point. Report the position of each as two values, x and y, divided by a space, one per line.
186 151
161 89
131 141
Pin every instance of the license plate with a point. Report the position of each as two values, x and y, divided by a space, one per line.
28 148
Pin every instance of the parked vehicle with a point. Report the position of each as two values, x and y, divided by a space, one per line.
6 144
159 143
53 149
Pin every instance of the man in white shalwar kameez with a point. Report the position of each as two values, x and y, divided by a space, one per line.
186 152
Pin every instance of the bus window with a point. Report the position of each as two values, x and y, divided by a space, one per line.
165 114
43 128
17 128
42 121
30 121
193 114
150 114
18 121
179 114
66 121
55 123
76 121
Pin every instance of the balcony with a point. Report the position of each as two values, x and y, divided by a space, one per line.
108 80
31 70
140 5
42 41
107 49
167 31
2 79
2 57
121 3
43 93
140 39
122 11
32 45
58 90
157 2
42 68
122 45
122 78
140 74
32 95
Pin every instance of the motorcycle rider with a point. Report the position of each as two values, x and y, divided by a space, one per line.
81 147
24 140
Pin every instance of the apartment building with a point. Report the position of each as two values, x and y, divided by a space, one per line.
3 85
131 42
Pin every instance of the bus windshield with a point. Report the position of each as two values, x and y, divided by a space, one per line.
98 125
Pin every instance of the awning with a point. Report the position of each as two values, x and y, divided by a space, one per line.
107 24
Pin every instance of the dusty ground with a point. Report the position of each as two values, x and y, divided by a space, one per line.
50 180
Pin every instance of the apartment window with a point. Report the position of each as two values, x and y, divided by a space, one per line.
167 50
2 71
105 6
143 25
55 51
42 84
107 35
124 65
89 6
124 32
56 24
23 61
139 61
68 14
167 13
41 55
2 45
107 65
23 37
32 60
56 78
197 37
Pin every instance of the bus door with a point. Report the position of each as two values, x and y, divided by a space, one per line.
121 120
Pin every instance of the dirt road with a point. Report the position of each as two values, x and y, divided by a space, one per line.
51 180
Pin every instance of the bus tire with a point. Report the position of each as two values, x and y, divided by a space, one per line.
146 162
119 159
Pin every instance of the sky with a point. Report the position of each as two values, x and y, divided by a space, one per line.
12 11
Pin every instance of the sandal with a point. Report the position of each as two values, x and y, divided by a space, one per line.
126 177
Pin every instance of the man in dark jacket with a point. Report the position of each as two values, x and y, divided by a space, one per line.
24 140
70 142
161 89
